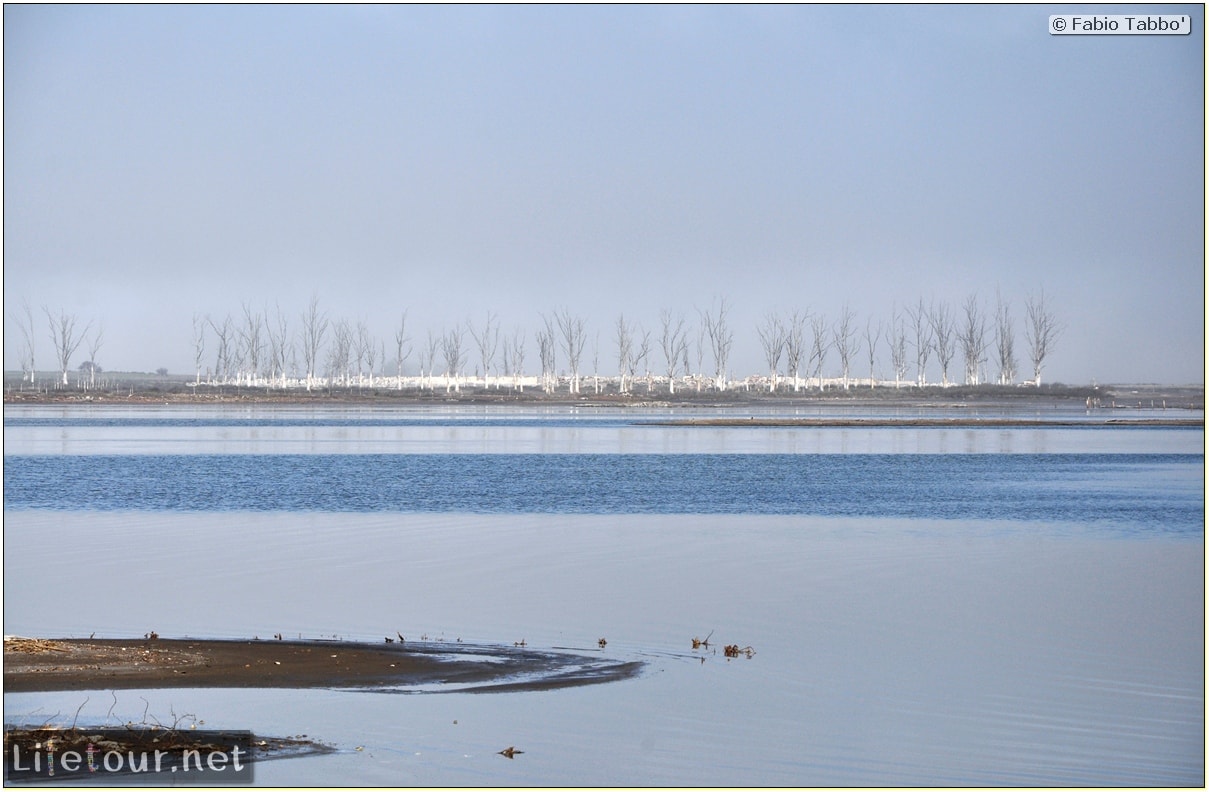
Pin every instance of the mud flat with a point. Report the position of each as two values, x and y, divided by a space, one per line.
32 664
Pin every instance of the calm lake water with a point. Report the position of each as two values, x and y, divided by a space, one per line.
927 606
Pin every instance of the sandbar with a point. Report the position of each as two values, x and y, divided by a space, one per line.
33 664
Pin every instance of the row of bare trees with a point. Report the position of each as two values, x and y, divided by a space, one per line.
312 349
986 341
66 336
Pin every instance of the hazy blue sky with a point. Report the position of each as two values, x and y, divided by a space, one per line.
166 161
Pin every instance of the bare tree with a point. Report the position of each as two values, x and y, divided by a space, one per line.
973 340
235 355
402 349
1005 341
571 329
547 353
428 358
720 339
688 372
596 363
516 352
625 354
795 346
845 341
223 352
487 340
871 339
1041 330
701 341
94 346
64 338
672 341
251 340
451 349
367 350
820 343
340 354
28 332
279 347
897 337
199 344
772 341
923 341
642 356
314 327
944 334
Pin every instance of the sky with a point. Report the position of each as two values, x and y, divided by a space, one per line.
167 162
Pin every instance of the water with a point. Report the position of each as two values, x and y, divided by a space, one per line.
927 606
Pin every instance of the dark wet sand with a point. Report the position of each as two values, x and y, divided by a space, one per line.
115 664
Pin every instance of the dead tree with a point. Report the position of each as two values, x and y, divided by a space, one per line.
720 339
973 340
897 337
251 341
64 338
642 356
223 351
515 354
428 359
945 338
845 342
672 341
923 341
547 353
28 332
94 346
451 349
795 347
772 341
279 347
340 354
596 363
314 328
402 349
701 342
1041 330
1005 341
571 331
367 351
199 345
487 340
625 354
819 344
871 338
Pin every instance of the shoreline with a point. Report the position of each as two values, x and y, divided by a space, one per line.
65 664
956 423
1107 398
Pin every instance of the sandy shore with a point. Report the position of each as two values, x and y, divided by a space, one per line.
105 664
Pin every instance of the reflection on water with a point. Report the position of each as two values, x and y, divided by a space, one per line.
889 650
